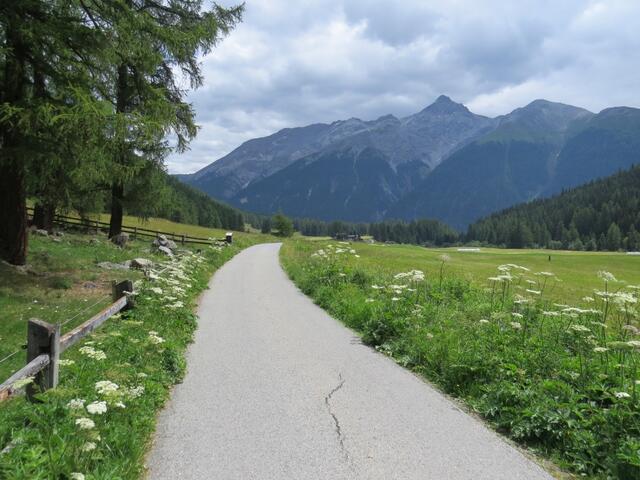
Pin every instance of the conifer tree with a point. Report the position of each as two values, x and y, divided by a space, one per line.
155 46
44 93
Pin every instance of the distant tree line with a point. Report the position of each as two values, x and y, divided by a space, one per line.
601 215
91 91
419 232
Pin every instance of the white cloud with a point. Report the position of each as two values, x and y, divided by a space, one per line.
294 63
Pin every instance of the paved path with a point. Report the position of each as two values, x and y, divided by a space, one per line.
277 389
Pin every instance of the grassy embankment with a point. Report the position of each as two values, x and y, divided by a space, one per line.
561 379
140 351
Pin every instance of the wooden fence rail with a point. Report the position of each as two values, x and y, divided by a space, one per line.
45 344
182 238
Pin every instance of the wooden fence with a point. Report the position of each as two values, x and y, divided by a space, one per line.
135 231
45 344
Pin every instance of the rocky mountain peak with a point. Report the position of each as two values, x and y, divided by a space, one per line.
444 105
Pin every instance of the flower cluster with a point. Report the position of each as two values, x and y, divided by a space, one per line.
93 353
412 275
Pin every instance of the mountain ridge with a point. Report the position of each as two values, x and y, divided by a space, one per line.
443 162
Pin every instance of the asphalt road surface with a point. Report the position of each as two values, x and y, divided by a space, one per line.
277 389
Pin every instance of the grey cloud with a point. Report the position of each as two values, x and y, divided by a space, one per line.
294 63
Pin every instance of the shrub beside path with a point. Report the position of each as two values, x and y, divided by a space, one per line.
277 389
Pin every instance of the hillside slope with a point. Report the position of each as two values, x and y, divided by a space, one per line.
512 164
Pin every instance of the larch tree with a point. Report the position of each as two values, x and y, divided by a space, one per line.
154 48
42 90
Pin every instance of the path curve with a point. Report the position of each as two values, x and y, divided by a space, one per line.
277 389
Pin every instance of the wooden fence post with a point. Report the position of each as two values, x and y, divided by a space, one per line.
135 233
43 338
229 238
118 290
182 239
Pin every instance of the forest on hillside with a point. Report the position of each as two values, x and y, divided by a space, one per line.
601 215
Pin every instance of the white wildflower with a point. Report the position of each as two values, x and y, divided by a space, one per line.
588 299
76 476
105 387
579 328
534 292
91 352
632 329
607 276
75 404
120 405
483 320
65 362
516 325
622 395
88 447
517 267
394 299
624 298
517 315
155 339
176 305
97 408
601 349
85 423
156 290
369 300
136 392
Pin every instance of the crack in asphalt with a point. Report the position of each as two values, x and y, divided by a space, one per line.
338 428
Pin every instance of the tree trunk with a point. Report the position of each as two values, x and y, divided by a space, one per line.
13 195
13 214
115 224
117 189
43 215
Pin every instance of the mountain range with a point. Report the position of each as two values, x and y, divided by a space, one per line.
443 162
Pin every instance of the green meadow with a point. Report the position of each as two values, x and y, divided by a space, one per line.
576 272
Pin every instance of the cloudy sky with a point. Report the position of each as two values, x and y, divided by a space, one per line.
291 63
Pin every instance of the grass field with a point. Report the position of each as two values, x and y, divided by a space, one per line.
63 280
576 271
164 225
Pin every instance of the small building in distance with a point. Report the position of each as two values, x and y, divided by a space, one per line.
348 237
